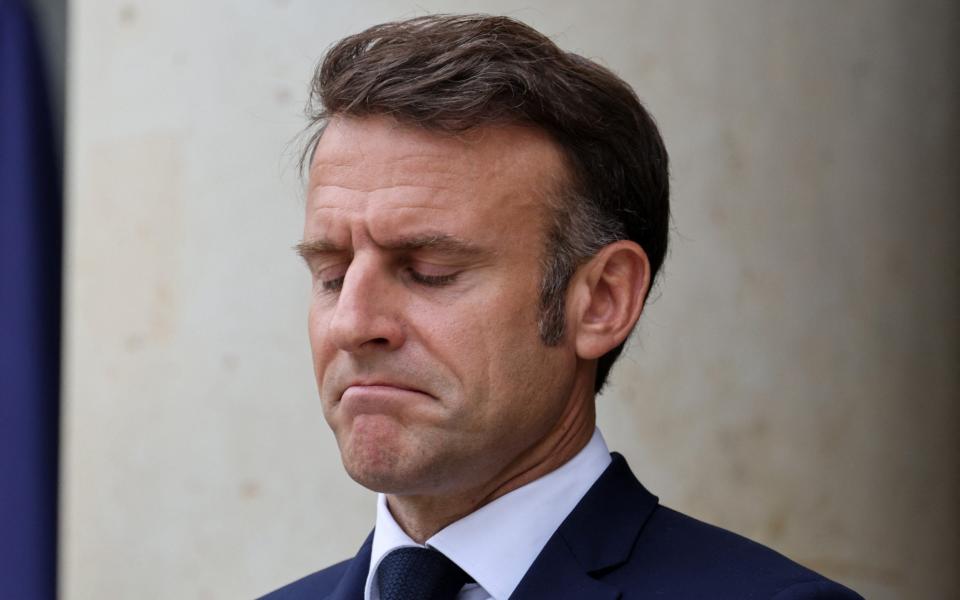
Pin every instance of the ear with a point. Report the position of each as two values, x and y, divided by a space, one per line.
609 294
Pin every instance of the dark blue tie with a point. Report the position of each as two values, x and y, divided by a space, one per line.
419 574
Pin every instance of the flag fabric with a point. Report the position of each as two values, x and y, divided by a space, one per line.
30 246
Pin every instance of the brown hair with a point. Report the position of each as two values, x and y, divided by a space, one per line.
451 73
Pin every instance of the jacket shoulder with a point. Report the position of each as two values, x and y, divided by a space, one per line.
312 587
697 560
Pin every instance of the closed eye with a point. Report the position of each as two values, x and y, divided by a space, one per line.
431 280
330 278
332 285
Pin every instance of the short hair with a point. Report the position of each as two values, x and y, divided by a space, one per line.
453 73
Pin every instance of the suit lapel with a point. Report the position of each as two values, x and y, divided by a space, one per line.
355 577
556 575
595 538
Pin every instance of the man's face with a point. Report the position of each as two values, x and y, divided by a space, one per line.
425 255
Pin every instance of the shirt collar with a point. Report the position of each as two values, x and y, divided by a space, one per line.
498 543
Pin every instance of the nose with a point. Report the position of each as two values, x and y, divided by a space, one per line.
367 316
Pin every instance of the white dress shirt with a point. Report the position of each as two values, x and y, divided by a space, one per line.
498 543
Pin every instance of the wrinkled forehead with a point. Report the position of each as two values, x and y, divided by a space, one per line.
499 144
377 154
373 178
355 155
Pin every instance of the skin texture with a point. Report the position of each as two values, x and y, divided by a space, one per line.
425 252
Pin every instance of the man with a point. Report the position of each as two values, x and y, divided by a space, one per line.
485 215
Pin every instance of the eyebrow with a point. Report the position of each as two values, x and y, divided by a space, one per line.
440 243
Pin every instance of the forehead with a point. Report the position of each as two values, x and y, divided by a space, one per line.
379 141
390 176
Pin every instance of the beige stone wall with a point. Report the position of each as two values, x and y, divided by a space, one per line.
795 377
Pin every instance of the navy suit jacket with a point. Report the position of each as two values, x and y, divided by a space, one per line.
619 542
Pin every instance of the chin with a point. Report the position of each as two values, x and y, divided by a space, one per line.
377 456
385 476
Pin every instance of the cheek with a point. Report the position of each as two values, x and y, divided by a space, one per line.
315 332
318 323
489 343
524 370
314 329
320 347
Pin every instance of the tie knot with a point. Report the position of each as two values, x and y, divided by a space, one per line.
419 574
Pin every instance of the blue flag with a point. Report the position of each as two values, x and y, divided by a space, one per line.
30 246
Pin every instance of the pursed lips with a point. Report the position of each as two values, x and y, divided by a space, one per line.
377 396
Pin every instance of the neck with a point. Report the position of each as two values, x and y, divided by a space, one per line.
421 516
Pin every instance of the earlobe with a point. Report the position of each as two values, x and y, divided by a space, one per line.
614 287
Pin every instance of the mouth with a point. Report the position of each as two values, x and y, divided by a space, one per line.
381 385
379 397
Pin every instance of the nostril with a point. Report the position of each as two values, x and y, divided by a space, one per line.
377 344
